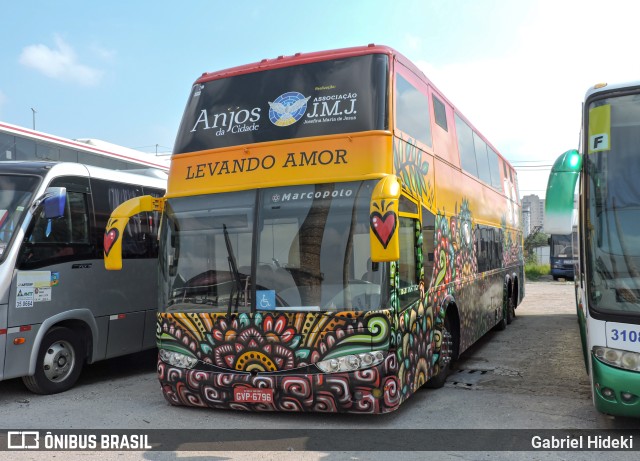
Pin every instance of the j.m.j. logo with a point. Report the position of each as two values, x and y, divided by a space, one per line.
287 108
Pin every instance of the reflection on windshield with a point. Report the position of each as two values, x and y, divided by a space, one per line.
562 247
16 193
310 251
614 212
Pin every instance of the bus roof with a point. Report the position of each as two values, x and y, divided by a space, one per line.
44 168
610 87
93 146
298 58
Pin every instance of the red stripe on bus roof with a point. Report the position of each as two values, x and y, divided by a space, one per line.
77 144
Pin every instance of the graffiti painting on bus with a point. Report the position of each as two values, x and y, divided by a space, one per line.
246 349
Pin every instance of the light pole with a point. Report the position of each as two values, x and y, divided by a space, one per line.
34 118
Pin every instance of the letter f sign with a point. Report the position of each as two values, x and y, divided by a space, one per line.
599 142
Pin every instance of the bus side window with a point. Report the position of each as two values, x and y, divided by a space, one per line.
408 289
65 237
107 195
428 244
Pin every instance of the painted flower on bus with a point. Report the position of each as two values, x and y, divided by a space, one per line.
240 350
411 165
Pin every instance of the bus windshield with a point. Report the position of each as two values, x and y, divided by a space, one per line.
614 210
16 193
314 99
562 247
298 248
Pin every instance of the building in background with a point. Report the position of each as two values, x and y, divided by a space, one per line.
535 213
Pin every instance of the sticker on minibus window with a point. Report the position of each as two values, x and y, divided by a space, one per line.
599 128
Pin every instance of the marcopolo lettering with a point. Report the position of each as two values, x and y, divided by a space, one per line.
292 196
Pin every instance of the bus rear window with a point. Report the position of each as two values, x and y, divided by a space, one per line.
328 97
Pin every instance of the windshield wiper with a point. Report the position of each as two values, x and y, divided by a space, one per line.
236 287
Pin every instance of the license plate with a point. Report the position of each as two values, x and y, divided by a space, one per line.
253 395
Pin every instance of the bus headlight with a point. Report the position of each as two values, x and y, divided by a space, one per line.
177 359
617 358
351 362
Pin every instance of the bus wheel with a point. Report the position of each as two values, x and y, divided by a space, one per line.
59 362
447 353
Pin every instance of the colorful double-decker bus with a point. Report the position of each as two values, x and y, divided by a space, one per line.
607 275
334 234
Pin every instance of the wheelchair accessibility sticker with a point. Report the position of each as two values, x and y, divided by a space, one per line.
266 300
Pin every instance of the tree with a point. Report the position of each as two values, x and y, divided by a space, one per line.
535 239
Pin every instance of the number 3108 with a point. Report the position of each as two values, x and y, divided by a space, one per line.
623 335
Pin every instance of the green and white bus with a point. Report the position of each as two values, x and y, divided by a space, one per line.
608 271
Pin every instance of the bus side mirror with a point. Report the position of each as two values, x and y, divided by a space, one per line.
558 209
117 223
383 220
54 202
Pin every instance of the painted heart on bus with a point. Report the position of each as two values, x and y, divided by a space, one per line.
110 237
383 227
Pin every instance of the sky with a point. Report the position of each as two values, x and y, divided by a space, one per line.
518 70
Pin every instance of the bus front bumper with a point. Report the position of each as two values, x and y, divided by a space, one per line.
616 391
363 391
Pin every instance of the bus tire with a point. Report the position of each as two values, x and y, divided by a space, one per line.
447 355
508 310
59 362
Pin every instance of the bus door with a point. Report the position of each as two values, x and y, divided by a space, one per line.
128 311
428 245
409 283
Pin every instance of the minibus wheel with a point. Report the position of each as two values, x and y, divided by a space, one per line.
59 362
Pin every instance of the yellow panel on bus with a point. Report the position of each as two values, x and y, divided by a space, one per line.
340 158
